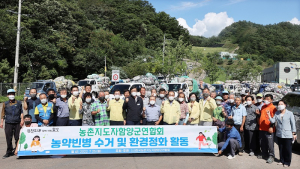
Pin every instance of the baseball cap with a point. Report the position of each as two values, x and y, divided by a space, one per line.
218 98
225 92
259 95
11 91
243 93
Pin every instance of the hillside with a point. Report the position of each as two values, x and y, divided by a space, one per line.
272 43
72 37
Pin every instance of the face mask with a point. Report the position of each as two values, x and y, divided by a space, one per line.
267 102
281 107
249 103
75 93
138 94
101 98
218 102
193 98
44 101
84 91
171 98
106 96
63 96
27 122
154 94
231 101
259 100
117 96
11 97
152 102
33 95
133 94
205 95
88 100
180 99
161 95
228 128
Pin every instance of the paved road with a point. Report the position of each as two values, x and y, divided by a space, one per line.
142 161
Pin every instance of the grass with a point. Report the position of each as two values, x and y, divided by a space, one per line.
222 78
4 98
206 50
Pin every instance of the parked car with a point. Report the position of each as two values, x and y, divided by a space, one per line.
293 105
93 82
176 86
42 86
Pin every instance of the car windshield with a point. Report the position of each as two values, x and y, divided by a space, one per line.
231 87
174 87
119 87
37 86
218 87
82 82
160 78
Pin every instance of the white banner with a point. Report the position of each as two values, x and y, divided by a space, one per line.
117 139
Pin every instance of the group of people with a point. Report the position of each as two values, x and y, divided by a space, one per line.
243 122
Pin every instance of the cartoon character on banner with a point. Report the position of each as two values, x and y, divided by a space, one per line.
36 144
201 139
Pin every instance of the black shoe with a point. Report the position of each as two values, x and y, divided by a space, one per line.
6 156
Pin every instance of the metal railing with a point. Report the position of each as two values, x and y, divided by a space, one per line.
19 87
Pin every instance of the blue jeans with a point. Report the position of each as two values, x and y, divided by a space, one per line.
181 121
75 122
132 122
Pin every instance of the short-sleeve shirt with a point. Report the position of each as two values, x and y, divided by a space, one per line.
238 113
101 118
152 112
62 108
251 120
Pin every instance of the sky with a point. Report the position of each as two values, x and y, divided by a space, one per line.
209 17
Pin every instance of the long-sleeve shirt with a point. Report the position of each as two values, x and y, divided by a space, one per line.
184 110
171 112
194 112
285 124
238 113
74 108
134 108
264 122
207 109
201 138
116 110
232 134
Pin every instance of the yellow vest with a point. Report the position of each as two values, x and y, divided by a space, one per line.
116 110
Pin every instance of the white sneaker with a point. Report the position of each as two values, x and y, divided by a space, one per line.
230 157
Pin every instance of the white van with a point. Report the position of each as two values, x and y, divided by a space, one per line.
122 87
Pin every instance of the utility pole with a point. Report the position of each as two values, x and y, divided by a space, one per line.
17 46
164 48
105 67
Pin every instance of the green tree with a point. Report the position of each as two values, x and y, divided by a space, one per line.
6 72
215 138
22 139
209 65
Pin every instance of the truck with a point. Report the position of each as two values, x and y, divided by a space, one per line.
41 86
93 83
176 86
122 87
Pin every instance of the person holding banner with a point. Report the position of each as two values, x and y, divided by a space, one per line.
115 106
28 123
171 110
134 106
193 110
74 105
44 112
233 141
86 111
153 112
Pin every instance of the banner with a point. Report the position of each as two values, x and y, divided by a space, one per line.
117 139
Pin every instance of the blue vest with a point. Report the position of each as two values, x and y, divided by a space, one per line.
44 115
13 113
